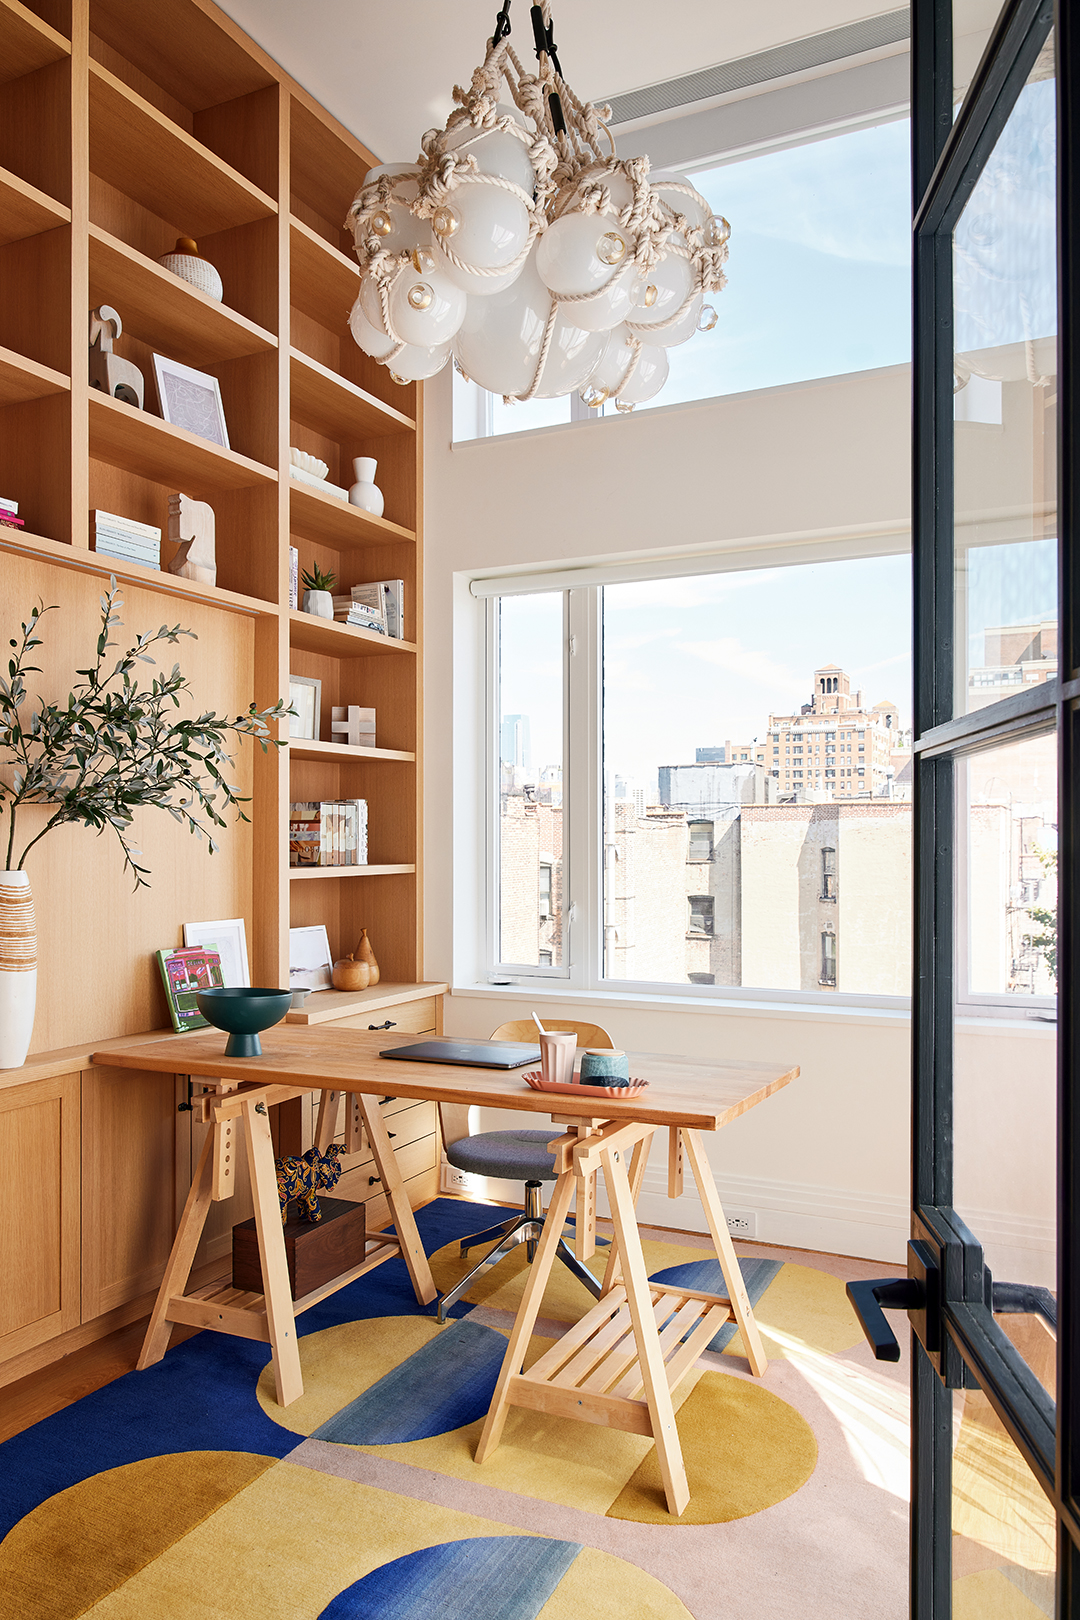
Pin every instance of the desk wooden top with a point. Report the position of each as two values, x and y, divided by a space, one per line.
697 1096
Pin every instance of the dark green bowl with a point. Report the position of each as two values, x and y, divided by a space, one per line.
243 1012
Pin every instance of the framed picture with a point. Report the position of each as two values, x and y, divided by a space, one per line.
310 963
190 399
305 696
230 941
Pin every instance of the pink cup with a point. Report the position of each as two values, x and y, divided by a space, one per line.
557 1051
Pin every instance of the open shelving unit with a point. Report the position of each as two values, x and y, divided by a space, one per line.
123 126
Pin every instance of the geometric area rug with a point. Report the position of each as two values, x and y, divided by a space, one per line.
185 1493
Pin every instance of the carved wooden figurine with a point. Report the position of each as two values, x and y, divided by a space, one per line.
114 376
354 726
191 527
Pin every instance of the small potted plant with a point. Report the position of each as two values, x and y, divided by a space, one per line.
317 588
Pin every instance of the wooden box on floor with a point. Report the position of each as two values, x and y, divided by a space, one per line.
317 1252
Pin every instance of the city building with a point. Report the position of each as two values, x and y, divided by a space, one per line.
834 748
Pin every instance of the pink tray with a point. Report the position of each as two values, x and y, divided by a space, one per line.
536 1081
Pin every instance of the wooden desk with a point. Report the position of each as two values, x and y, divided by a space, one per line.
619 1364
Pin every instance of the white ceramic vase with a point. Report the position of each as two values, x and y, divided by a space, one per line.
319 603
365 493
18 968
185 261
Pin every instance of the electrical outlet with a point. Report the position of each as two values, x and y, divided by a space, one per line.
455 1180
741 1223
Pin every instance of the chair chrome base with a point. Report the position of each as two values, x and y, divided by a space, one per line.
524 1228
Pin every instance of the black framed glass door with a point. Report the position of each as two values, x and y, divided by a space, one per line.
992 1297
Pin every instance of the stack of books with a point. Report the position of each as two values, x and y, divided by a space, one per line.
387 595
359 615
124 538
294 577
9 514
330 832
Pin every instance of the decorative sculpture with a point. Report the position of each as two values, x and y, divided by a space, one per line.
191 527
304 1178
353 725
118 378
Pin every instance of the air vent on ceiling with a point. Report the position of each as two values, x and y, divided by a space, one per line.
780 60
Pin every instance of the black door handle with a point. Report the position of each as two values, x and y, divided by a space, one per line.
1024 1299
871 1299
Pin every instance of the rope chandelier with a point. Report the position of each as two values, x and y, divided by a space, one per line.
519 244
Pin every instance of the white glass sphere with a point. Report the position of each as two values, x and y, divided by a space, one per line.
580 253
693 207
660 292
487 228
571 359
649 376
612 366
425 307
372 339
608 307
413 364
393 226
681 330
495 151
500 337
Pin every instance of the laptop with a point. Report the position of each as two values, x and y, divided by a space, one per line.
473 1054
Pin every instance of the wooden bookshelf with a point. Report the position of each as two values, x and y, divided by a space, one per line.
125 126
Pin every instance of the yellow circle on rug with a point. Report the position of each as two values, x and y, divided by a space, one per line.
83 1543
803 1309
744 1450
342 1362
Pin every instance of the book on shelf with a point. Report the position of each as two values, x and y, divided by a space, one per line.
8 505
389 595
184 973
10 521
116 524
294 577
359 615
108 545
328 832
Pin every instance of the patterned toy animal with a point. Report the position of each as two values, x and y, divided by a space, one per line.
302 1179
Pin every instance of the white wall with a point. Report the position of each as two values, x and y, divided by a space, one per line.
824 1164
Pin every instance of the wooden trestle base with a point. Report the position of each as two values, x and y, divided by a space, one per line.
271 1316
619 1365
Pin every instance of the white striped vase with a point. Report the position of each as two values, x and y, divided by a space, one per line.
18 968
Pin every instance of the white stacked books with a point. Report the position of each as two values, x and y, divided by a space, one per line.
125 539
389 596
330 832
359 614
294 577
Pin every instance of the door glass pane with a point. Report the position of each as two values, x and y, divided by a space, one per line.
1005 408
1004 1528
530 719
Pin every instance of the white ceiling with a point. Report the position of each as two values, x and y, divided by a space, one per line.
386 68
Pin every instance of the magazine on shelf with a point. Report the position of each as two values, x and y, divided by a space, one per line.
330 832
184 973
389 596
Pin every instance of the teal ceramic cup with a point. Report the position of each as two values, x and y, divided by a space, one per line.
602 1067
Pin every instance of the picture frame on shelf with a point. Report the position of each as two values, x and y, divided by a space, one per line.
305 697
229 939
310 962
191 399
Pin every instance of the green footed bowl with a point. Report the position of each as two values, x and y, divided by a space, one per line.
243 1012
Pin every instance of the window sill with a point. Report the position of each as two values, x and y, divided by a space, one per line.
895 1014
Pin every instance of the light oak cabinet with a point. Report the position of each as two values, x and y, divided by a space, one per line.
39 1212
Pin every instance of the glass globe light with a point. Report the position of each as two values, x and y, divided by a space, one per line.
395 228
579 253
425 308
650 375
486 228
681 330
372 339
495 151
413 364
673 278
694 209
499 341
571 358
718 232
611 305
612 366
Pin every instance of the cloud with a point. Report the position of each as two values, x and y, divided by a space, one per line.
730 654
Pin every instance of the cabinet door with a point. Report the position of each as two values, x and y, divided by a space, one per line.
39 1212
129 1184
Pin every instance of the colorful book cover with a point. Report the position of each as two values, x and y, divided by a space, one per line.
184 973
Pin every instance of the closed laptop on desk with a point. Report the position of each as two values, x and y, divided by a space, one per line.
474 1054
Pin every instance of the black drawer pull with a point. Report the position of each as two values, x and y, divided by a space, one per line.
388 1025
373 1181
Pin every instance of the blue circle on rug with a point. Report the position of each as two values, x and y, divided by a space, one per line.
493 1577
446 1384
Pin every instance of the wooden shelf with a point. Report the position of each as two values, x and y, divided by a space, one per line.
26 43
26 211
335 523
166 312
127 437
323 1006
324 282
131 573
311 634
22 379
135 148
299 872
341 753
337 408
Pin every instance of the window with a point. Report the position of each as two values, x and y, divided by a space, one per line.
828 957
624 851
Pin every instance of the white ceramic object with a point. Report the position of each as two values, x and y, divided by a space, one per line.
304 477
557 1051
309 464
185 262
18 968
365 493
320 604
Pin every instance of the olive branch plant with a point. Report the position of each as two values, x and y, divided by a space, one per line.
114 746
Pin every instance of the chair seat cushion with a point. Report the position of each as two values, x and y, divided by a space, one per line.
512 1155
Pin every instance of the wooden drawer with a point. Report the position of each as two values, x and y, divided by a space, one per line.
363 1182
420 1189
410 1018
